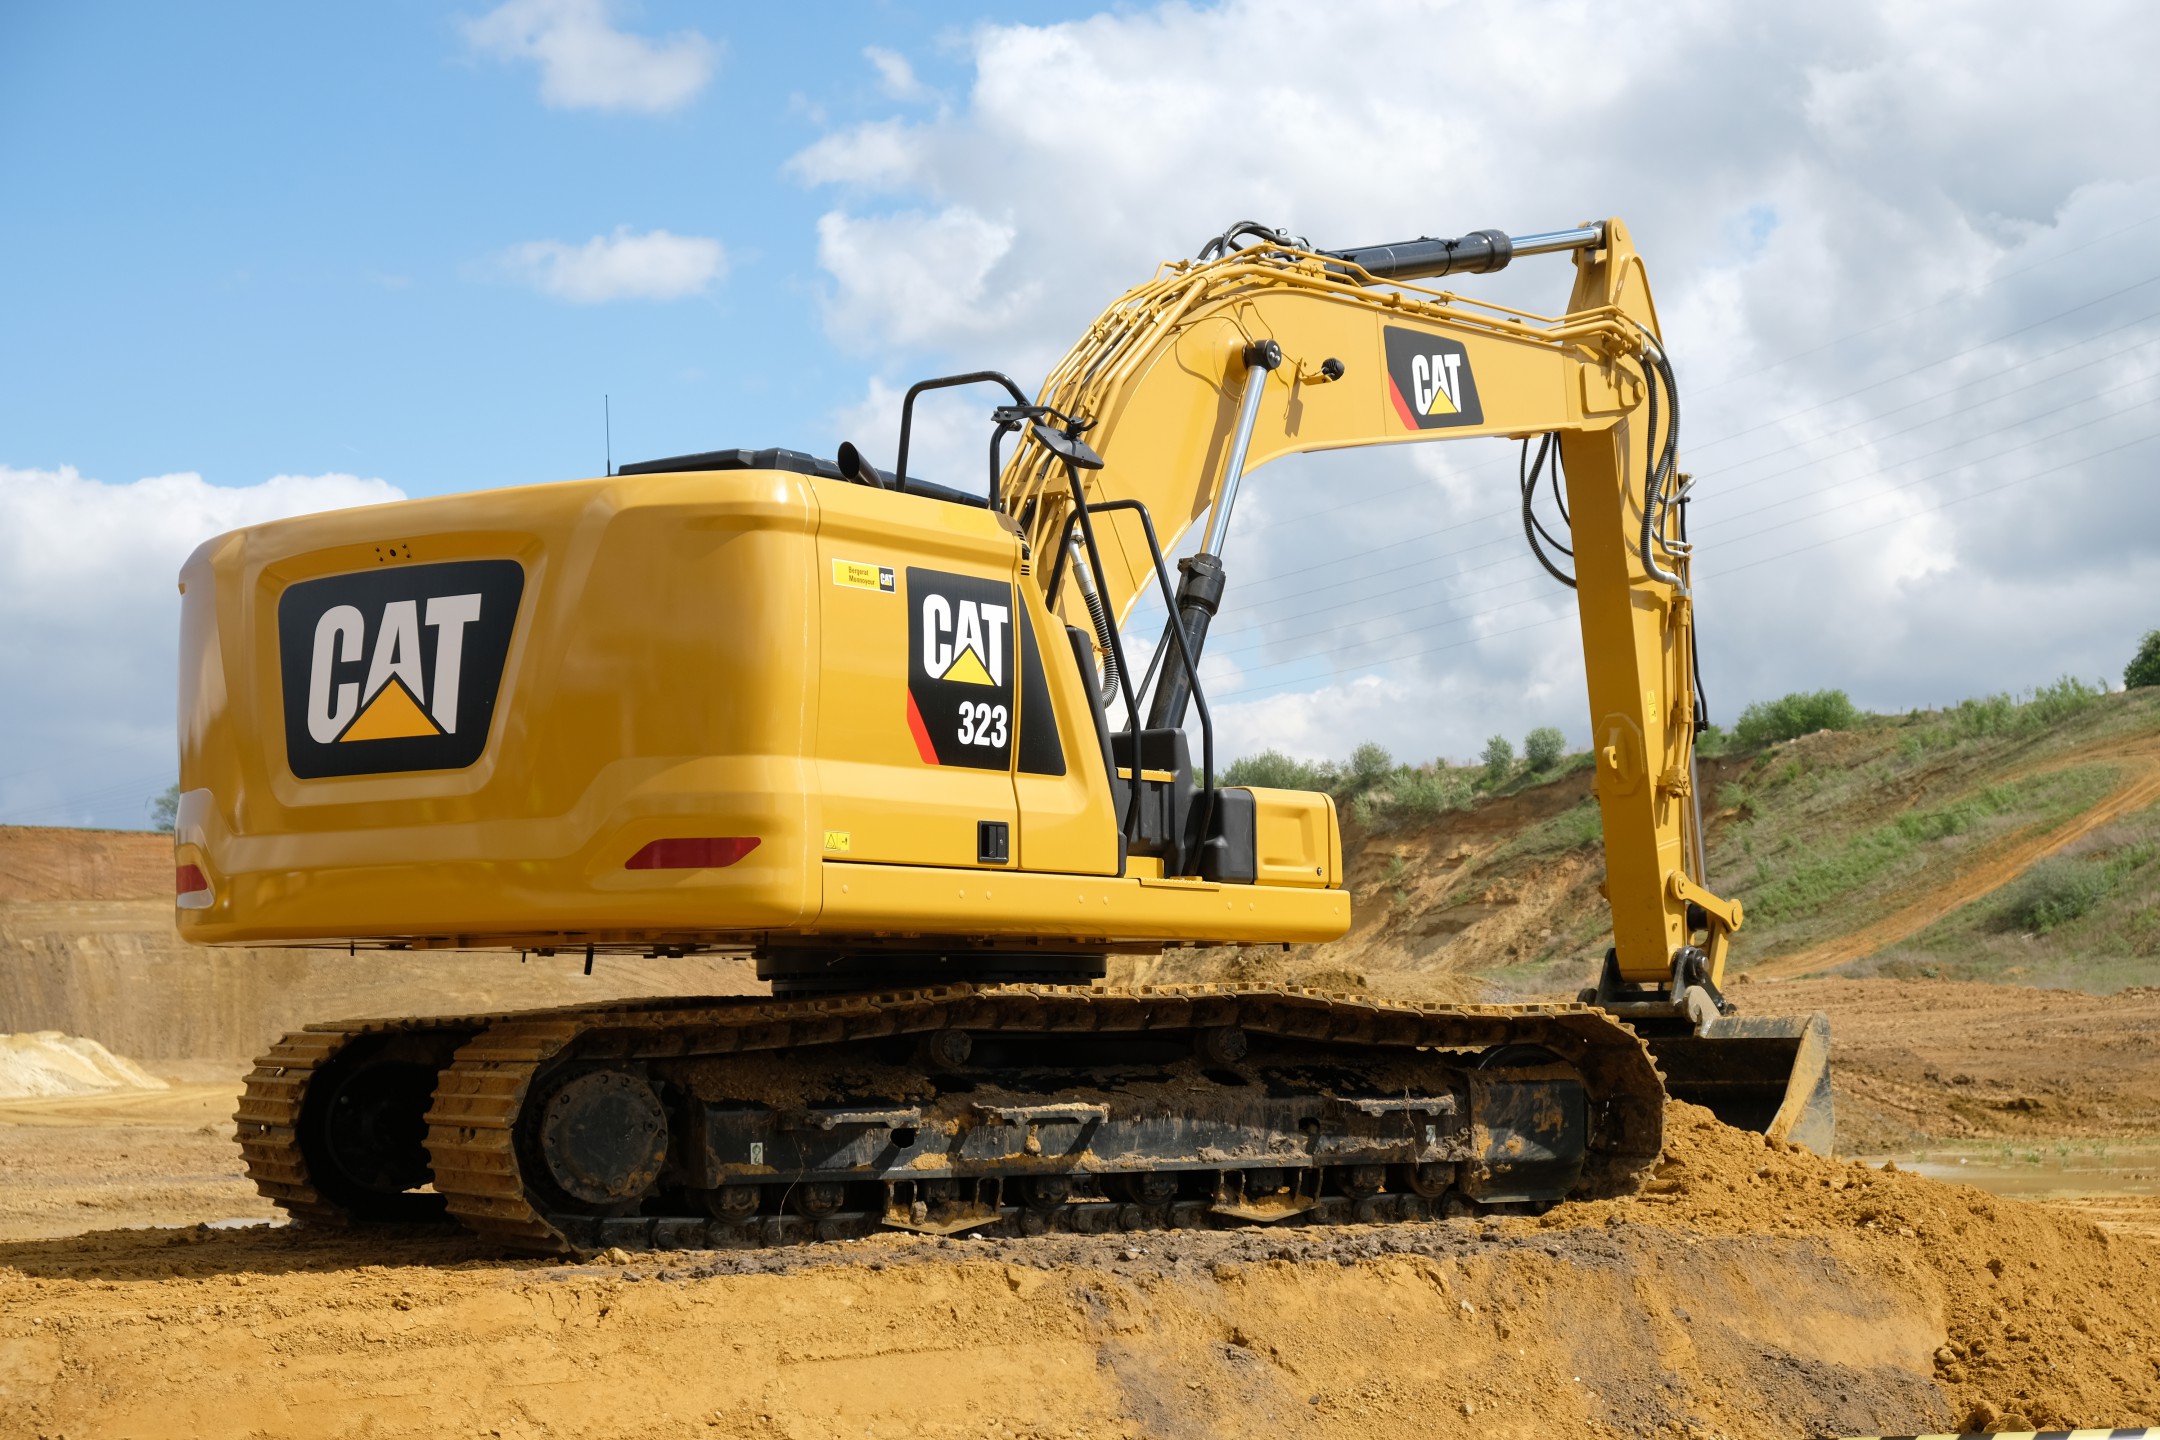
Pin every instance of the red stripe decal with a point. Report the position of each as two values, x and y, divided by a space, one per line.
921 732
1402 406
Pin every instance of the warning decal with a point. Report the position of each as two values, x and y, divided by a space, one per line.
861 575
960 670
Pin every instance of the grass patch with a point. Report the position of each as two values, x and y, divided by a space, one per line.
1802 879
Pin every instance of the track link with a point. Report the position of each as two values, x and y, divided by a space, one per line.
472 1125
273 1101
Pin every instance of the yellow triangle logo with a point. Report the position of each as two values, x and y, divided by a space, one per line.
967 668
1441 405
392 715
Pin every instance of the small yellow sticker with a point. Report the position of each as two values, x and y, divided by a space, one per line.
840 840
861 575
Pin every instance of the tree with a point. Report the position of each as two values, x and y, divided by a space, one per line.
1499 760
165 808
1543 747
2145 667
1370 764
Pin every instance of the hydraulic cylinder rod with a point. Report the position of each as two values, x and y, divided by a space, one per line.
1200 576
1478 253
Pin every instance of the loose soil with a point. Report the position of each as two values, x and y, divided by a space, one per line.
1753 1291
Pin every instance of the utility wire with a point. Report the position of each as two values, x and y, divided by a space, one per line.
1703 574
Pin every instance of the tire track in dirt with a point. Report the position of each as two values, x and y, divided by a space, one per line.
2140 759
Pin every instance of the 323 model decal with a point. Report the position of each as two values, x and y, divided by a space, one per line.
960 654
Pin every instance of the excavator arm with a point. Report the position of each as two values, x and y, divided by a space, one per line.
1215 367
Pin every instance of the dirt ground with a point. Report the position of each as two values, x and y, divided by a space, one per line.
1925 1062
1753 1292
146 1291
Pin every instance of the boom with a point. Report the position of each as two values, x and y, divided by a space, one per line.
1217 366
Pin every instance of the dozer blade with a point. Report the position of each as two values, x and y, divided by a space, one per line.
1768 1073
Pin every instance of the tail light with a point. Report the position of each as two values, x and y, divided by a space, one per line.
704 853
191 888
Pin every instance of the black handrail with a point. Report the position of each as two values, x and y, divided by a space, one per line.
1132 705
944 382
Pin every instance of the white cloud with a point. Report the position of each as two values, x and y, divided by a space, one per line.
880 155
1901 258
586 63
895 76
654 266
89 622
918 278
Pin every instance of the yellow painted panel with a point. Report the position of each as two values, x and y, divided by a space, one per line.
911 899
874 780
1294 838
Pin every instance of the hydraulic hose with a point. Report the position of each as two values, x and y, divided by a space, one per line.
1099 613
1661 465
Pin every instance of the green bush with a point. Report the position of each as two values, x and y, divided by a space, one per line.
2145 666
1499 758
2055 892
1273 770
1543 747
1422 792
1999 716
1788 718
165 808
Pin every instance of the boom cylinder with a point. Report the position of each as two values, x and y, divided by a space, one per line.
1200 576
1478 253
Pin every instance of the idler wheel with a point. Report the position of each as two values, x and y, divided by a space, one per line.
1363 1179
1046 1192
820 1197
375 1128
604 1137
1149 1187
1222 1045
1430 1180
734 1203
949 1049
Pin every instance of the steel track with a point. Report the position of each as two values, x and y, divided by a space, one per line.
472 1134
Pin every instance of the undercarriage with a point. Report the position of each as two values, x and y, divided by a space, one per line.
999 1109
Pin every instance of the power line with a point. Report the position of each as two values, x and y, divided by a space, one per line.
1786 448
1869 529
1708 524
1800 355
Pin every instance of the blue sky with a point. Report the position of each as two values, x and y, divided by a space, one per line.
263 240
262 260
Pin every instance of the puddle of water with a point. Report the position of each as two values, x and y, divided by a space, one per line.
2042 1171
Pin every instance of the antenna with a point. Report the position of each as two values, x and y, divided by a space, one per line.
607 422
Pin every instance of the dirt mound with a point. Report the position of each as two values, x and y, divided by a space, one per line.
1757 1292
46 1062
2047 1319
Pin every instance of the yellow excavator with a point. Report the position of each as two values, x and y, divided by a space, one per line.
886 737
